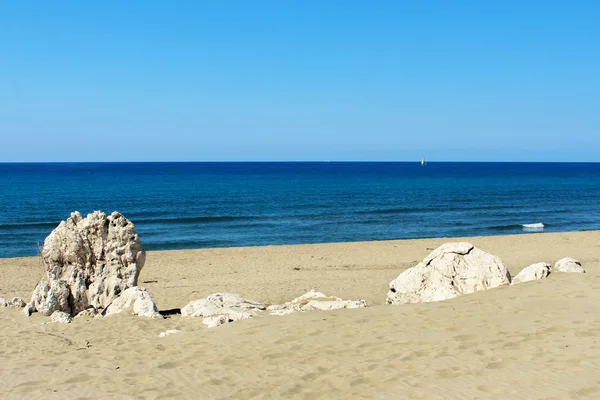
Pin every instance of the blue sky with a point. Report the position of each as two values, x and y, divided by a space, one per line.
306 80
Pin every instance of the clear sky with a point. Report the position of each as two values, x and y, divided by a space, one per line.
306 80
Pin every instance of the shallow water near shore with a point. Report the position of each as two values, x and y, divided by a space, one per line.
200 205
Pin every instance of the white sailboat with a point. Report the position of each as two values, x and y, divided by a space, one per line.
423 162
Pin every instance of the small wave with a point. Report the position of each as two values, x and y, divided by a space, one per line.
511 227
537 225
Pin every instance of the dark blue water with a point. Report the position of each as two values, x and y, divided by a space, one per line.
193 205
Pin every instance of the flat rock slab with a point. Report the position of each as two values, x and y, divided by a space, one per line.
314 300
222 308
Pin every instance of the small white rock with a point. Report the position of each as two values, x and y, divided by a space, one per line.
136 298
4 302
62 317
569 264
88 312
215 321
18 302
169 332
281 312
535 271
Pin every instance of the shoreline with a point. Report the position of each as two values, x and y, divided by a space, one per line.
224 267
453 348
446 238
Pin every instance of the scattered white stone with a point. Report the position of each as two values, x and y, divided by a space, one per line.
451 270
277 311
213 322
4 302
569 264
138 299
232 300
89 262
220 308
18 302
535 271
62 317
88 312
314 300
200 308
168 332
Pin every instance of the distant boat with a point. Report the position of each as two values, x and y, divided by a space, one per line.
423 162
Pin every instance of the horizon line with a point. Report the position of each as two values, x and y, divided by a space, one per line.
292 161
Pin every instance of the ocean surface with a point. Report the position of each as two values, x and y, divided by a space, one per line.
195 205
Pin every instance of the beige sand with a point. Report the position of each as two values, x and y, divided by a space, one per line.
531 341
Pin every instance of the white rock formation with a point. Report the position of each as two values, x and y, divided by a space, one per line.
569 264
314 300
220 308
138 299
451 270
4 302
62 317
168 332
533 272
89 262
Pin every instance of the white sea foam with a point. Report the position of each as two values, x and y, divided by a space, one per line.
536 226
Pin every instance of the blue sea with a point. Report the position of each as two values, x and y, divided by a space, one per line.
196 205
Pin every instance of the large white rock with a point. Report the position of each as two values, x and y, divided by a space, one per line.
220 308
569 264
138 300
314 300
535 271
89 262
451 270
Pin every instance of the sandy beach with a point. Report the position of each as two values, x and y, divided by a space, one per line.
536 340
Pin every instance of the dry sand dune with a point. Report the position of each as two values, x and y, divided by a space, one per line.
536 340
